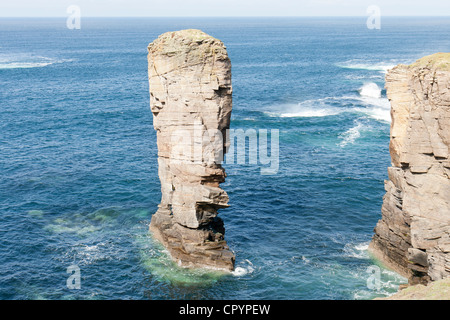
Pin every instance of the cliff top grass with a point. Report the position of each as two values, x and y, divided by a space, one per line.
439 61
438 290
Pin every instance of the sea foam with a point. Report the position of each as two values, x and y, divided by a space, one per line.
367 103
380 66
25 61
370 89
351 135
246 267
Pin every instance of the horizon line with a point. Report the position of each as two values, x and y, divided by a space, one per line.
262 16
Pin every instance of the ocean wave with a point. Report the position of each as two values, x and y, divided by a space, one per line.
85 254
387 281
272 64
386 285
24 65
245 267
375 108
370 94
311 113
380 66
349 136
306 109
370 89
23 61
379 113
359 77
357 250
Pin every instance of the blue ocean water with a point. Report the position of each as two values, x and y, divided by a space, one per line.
79 183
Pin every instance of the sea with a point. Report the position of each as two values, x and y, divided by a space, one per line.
78 157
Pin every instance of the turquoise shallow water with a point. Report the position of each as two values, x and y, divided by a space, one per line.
79 172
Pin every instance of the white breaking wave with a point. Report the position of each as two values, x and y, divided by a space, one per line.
357 250
310 113
306 109
23 65
379 108
356 77
245 268
370 89
351 135
375 108
25 61
382 66
370 94
380 113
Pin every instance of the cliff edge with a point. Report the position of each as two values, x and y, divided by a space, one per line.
191 99
413 235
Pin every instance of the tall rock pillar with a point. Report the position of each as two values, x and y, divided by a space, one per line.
413 235
191 99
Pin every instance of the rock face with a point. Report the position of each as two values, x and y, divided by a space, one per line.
191 100
413 235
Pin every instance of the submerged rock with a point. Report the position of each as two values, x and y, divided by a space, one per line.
191 100
413 235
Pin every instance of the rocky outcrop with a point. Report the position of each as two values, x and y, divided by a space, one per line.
191 99
413 235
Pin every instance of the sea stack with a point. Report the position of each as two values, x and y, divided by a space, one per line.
191 99
413 235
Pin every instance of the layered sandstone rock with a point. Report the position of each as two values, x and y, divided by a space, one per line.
191 99
413 236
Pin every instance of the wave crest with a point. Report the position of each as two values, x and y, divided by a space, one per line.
375 108
24 61
349 136
383 67
370 89
245 268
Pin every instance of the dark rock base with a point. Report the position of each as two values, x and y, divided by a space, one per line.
193 248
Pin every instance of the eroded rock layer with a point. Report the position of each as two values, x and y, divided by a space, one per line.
413 235
190 95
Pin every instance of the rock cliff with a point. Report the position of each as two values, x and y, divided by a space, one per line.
413 235
191 99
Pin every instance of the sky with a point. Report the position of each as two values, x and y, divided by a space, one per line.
214 8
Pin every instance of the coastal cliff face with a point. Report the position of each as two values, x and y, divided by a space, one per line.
191 100
413 235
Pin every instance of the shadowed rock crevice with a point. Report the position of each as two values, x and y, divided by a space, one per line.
190 95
